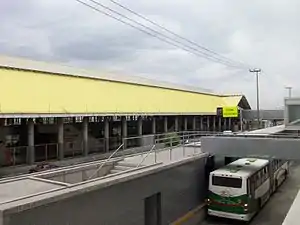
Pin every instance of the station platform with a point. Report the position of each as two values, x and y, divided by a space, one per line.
292 218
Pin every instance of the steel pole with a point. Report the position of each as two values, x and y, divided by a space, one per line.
257 99
257 71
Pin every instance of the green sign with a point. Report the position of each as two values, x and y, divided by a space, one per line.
229 112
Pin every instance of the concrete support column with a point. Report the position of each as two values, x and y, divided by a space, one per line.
229 124
214 124
140 126
220 124
106 133
194 123
226 124
85 135
124 131
165 124
153 125
30 150
185 123
140 130
201 123
208 123
60 138
176 124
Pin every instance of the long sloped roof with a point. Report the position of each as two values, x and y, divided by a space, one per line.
190 95
39 66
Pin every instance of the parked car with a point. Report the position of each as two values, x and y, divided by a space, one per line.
42 167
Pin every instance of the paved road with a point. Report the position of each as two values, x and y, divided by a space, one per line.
276 209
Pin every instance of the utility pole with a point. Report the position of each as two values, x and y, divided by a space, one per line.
289 90
257 71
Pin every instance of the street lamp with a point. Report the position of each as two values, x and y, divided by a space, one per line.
257 71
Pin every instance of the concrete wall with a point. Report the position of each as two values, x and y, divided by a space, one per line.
291 109
76 175
182 189
264 114
282 148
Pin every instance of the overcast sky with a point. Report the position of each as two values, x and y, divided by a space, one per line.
264 33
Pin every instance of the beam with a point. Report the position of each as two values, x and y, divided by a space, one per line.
264 114
281 148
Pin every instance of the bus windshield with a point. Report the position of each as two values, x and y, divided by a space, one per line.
227 182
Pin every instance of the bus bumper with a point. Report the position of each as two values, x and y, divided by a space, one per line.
243 217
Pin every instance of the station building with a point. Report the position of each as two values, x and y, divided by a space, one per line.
53 112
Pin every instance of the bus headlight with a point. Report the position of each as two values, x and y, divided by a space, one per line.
245 207
207 201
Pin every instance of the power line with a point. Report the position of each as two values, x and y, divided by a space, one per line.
175 34
154 35
158 33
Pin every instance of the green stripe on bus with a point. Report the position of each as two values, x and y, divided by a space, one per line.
228 204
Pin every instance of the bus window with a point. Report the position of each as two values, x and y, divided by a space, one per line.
252 185
258 179
265 174
227 182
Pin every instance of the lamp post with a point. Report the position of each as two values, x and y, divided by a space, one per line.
257 71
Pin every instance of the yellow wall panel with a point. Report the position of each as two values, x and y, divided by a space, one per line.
33 92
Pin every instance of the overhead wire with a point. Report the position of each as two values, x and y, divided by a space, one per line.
168 38
175 34
157 34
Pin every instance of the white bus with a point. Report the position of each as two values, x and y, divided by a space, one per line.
239 189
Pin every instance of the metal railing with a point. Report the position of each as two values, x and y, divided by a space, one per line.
148 153
170 144
11 156
97 145
14 156
46 152
73 148
107 160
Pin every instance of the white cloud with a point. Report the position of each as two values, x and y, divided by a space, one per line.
260 33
